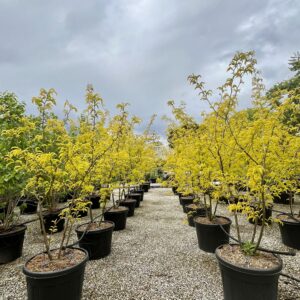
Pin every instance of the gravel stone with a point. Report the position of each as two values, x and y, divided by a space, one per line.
156 257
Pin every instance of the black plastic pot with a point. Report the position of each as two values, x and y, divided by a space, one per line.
211 236
290 233
96 242
79 213
185 197
186 200
135 196
11 244
60 285
190 219
140 192
28 206
153 180
248 284
145 187
68 196
50 217
174 189
259 219
200 211
118 216
95 199
282 198
130 204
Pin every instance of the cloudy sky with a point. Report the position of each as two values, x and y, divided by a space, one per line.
139 51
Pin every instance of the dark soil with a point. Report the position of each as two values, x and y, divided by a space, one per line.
289 219
215 221
95 226
116 209
262 260
41 262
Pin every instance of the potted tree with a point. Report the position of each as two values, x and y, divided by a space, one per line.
258 141
195 166
12 180
55 273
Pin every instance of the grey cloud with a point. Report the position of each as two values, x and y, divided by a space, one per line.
139 51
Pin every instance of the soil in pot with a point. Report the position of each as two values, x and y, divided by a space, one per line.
51 218
290 231
56 279
130 204
11 244
248 277
210 234
135 196
97 238
118 216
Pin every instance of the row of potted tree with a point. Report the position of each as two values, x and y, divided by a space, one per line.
245 157
90 162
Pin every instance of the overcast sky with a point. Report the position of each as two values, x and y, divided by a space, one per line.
139 51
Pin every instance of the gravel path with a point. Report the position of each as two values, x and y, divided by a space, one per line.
155 257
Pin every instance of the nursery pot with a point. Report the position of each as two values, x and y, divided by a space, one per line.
282 198
79 213
130 204
199 211
135 196
139 192
191 196
95 199
96 242
210 236
145 186
118 216
290 233
30 206
246 283
65 284
186 200
174 189
190 219
11 244
50 217
268 212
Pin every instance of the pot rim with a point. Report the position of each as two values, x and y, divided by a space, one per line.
129 200
124 209
48 275
250 271
97 230
288 222
21 227
201 224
